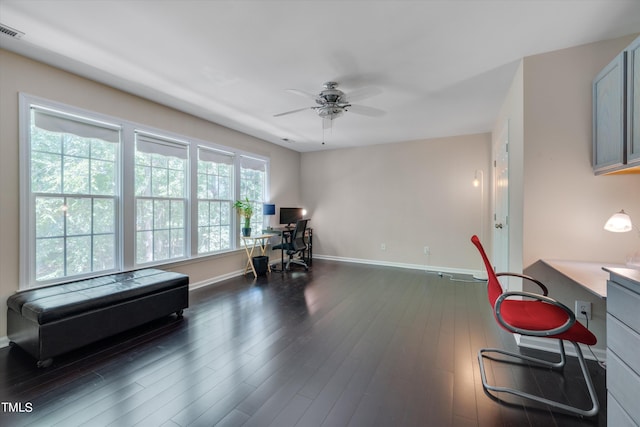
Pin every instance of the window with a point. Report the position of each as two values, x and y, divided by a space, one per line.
215 200
253 182
160 183
73 187
101 195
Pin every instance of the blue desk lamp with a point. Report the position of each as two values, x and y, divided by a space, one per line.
268 210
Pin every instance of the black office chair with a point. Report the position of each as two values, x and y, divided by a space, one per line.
297 244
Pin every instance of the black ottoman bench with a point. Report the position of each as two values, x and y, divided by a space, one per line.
49 321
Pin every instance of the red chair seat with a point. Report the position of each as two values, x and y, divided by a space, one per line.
538 315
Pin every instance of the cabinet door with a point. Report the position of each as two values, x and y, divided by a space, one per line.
608 116
633 103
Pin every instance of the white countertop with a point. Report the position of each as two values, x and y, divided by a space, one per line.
631 275
592 276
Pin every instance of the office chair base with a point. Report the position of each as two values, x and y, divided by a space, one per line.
544 363
287 266
297 262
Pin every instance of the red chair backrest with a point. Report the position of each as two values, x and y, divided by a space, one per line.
494 288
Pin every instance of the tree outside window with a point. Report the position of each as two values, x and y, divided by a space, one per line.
77 195
160 188
253 184
74 195
215 200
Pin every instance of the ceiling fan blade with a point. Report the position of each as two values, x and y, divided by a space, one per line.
366 111
363 93
303 93
293 111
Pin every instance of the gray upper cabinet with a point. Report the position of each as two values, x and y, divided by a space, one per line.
633 103
616 104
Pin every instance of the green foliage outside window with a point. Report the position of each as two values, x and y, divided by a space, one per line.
160 207
77 196
253 188
215 194
73 181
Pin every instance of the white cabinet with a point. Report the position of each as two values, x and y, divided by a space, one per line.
616 107
623 347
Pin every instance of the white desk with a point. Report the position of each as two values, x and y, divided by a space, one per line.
589 275
250 244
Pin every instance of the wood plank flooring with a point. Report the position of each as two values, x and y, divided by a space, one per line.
339 345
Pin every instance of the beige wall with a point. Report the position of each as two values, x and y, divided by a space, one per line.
19 74
404 195
565 205
558 206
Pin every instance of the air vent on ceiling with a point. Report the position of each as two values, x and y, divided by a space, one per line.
8 31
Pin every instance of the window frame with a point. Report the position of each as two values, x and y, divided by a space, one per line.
125 258
28 198
258 218
161 144
208 151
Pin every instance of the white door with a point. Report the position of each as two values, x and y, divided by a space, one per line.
501 203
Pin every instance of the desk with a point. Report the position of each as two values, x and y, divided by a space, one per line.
285 234
250 244
589 275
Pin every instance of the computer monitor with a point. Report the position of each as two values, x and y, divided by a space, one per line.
290 216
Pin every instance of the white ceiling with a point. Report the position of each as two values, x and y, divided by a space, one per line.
441 68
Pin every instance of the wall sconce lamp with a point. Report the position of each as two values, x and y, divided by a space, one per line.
477 180
619 222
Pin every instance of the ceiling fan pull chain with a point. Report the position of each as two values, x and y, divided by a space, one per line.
323 134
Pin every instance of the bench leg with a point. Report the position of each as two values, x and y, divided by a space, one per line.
44 363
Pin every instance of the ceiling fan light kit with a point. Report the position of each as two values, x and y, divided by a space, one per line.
332 103
330 111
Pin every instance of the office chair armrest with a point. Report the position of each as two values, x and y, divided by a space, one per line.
544 289
535 333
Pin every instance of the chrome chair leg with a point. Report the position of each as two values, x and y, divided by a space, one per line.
553 365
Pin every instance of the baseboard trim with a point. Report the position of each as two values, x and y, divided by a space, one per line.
551 346
423 267
215 279
4 342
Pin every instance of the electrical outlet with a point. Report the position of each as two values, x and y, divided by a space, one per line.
583 306
383 246
427 250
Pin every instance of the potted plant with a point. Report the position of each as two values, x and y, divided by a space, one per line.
245 210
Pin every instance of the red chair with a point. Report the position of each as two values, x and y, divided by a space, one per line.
540 316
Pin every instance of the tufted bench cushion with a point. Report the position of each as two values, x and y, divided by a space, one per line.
45 305
51 320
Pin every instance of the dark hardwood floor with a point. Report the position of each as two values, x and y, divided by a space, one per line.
339 345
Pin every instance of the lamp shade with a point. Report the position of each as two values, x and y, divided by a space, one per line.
268 209
619 223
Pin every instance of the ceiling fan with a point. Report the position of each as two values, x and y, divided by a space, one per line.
332 103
